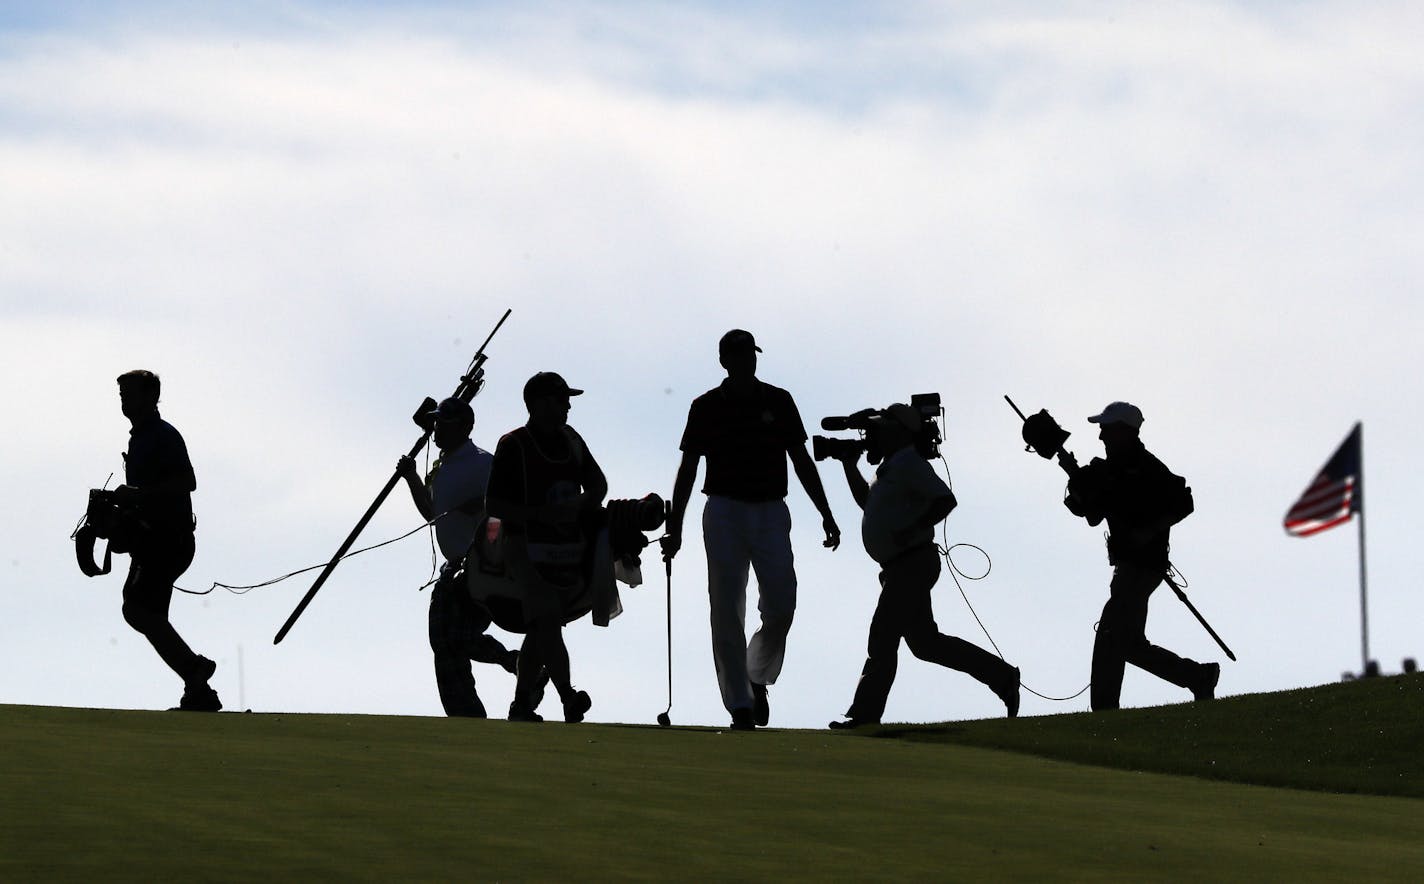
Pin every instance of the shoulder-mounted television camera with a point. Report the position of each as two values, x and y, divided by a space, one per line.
869 422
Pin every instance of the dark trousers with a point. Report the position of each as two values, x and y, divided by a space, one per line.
1122 638
153 566
457 636
904 611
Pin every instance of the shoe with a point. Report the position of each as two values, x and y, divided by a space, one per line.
199 699
1009 693
1211 674
520 712
742 720
849 724
202 673
761 707
576 705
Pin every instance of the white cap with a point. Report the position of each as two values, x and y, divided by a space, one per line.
1119 413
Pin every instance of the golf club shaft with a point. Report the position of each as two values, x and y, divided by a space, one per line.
668 568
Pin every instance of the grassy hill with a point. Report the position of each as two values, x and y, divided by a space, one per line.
147 795
1365 736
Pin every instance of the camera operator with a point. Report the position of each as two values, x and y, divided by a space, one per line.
157 493
901 508
1141 500
455 492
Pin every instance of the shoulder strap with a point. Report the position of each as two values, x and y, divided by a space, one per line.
84 553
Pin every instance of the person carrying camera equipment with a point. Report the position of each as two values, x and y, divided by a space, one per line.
156 521
545 488
1141 500
454 492
901 509
746 429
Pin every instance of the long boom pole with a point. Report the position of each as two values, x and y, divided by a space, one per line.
469 385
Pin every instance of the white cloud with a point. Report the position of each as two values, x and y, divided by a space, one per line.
1204 208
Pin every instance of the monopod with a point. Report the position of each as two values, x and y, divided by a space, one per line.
470 384
1197 614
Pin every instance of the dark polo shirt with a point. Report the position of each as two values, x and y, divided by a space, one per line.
744 439
157 453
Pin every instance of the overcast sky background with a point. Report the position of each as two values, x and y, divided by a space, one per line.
305 218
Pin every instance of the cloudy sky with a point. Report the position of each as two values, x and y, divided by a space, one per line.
305 217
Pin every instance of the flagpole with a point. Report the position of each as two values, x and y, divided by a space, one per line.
1364 610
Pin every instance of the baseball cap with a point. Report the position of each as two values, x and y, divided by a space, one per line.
1119 413
908 417
454 409
547 383
736 341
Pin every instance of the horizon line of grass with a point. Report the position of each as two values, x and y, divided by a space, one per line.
1362 737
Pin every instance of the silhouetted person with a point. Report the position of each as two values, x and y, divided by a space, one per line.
158 487
746 429
901 509
1141 500
544 485
455 492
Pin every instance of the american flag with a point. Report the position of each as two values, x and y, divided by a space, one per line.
1336 493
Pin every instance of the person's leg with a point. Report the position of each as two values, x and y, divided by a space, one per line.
556 656
485 648
1140 652
881 658
1121 627
148 591
553 656
917 574
476 643
728 562
450 639
543 654
772 559
527 677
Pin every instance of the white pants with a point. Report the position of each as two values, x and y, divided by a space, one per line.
739 536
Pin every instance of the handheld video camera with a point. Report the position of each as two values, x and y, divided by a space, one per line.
105 515
107 518
867 422
1086 484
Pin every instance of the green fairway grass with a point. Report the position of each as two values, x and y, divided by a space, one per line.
119 795
1362 736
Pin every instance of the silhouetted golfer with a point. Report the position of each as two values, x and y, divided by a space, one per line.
901 508
1141 500
455 492
746 429
544 486
157 491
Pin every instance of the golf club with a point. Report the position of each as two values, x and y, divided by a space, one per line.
663 718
